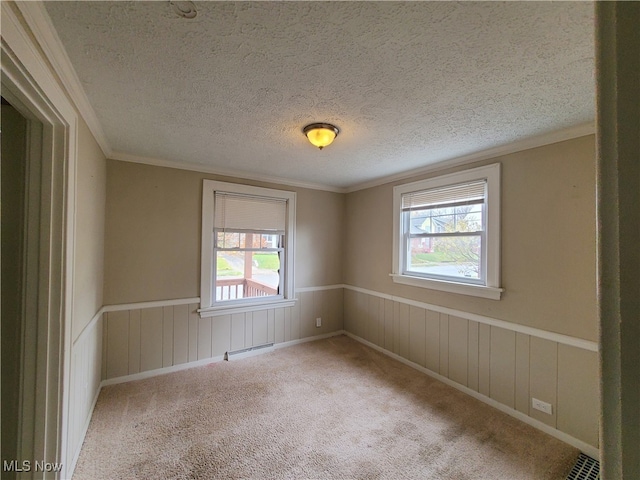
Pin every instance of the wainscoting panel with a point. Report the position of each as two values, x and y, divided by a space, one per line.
543 377
433 341
458 350
180 334
142 339
444 345
219 340
473 345
151 320
522 373
134 340
167 336
86 374
574 385
484 359
118 344
502 368
501 363
417 335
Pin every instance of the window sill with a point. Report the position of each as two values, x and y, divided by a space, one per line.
482 291
244 307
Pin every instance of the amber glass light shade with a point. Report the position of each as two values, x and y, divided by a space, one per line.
321 134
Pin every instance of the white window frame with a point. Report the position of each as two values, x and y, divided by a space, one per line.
208 306
491 240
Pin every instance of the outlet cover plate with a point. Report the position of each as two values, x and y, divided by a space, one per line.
542 406
318 322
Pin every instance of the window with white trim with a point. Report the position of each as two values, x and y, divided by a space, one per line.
247 247
447 233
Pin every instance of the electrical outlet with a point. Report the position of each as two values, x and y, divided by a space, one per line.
542 406
318 322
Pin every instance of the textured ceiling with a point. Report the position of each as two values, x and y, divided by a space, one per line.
408 83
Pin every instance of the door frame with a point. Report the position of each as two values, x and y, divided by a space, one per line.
30 86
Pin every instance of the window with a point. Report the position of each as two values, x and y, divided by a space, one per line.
247 247
447 233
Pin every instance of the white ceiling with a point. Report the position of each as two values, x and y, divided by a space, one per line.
409 84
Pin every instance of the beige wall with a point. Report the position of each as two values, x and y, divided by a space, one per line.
548 242
90 215
152 242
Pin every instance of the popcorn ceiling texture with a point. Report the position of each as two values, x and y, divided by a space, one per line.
332 409
408 83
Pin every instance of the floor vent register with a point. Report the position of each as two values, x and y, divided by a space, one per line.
586 468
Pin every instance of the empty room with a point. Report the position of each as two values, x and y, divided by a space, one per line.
319 240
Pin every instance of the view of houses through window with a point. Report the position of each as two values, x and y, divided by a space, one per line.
444 229
247 264
446 241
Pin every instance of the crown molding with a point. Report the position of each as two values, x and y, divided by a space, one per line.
240 174
39 22
509 148
491 153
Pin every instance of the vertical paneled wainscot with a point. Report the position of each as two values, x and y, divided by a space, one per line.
503 366
86 375
149 338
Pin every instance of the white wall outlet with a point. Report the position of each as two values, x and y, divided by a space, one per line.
318 322
542 406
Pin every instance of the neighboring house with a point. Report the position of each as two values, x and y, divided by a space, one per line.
425 224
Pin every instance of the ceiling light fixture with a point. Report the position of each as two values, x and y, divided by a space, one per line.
321 134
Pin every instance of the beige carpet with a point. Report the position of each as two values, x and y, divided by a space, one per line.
327 409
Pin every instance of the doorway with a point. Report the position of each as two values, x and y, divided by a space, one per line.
13 177
35 313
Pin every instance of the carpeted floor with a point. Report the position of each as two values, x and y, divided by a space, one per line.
327 409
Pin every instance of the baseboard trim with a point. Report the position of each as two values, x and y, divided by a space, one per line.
291 343
161 371
579 444
206 361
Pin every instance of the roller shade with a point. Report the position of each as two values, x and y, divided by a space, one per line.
245 212
461 194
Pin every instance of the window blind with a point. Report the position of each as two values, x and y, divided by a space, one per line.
460 194
245 212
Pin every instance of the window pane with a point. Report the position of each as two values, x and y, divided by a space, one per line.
229 239
467 218
247 274
447 256
269 241
248 240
